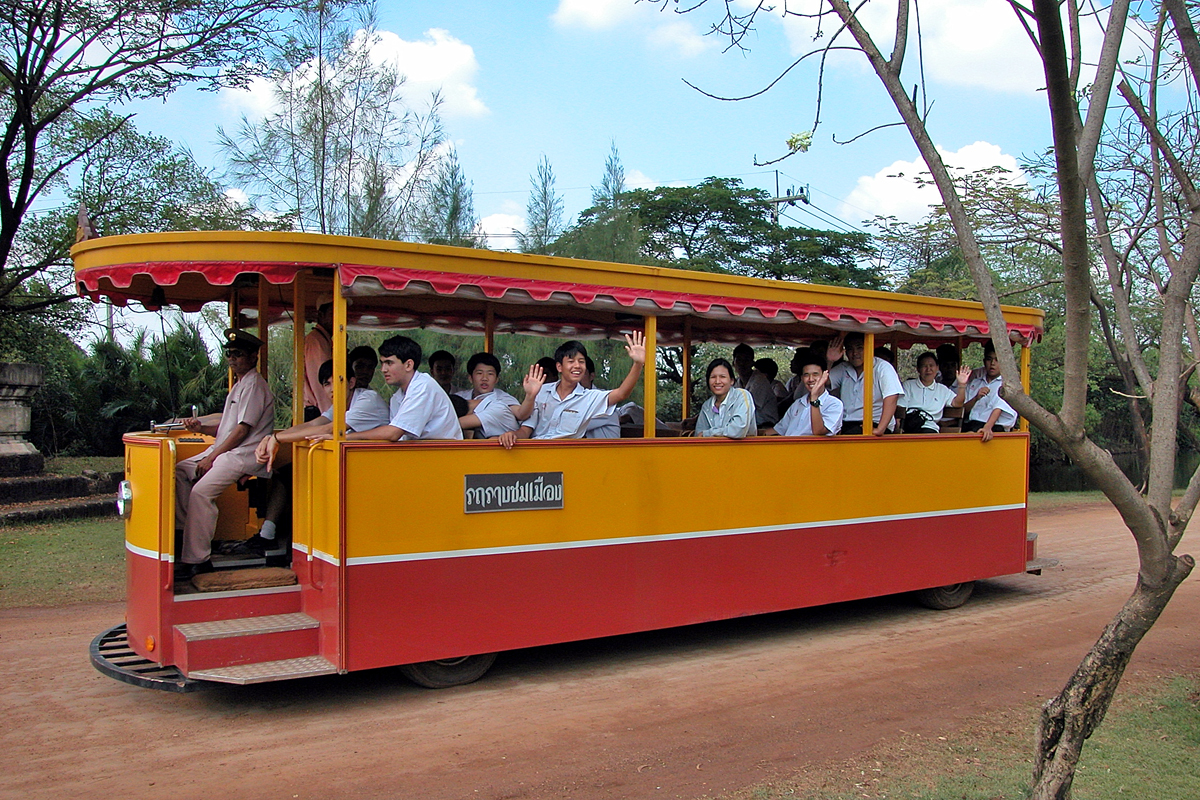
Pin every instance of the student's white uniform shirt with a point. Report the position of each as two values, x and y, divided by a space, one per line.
984 407
605 427
931 399
553 418
797 420
367 410
493 411
424 411
848 383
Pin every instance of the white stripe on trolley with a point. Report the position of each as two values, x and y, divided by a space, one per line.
664 537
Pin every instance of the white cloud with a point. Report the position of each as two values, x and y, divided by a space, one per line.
675 35
500 228
893 190
237 195
682 38
593 14
636 179
439 62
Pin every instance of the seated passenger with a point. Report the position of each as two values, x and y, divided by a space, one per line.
420 409
248 416
563 410
362 361
986 410
846 381
769 368
606 426
766 407
816 412
490 410
441 369
549 368
365 410
729 413
925 395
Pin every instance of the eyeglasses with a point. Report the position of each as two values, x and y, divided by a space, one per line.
235 354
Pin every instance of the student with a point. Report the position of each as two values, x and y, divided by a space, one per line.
363 361
365 410
248 416
420 408
318 348
986 410
846 381
926 395
768 367
729 412
816 412
563 410
606 426
491 410
549 368
766 407
441 368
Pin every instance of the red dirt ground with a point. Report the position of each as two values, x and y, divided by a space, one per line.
685 713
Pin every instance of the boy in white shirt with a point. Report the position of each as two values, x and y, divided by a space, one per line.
986 410
490 409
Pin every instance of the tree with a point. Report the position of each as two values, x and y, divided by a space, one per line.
341 152
1077 115
449 214
543 213
61 61
608 231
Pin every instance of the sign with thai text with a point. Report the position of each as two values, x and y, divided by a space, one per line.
516 491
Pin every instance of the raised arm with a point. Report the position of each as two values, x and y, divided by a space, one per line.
635 345
532 384
964 376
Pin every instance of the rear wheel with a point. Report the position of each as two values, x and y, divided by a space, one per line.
942 598
449 671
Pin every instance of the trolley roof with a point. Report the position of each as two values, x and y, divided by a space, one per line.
399 285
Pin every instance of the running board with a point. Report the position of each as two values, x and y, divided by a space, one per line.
307 667
1036 565
112 656
202 647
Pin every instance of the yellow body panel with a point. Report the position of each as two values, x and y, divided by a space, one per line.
408 498
144 470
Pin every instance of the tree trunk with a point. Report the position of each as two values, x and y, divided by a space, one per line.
1070 718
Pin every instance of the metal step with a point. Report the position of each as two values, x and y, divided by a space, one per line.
247 626
1036 565
306 667
111 655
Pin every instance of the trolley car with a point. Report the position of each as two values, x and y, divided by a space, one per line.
391 566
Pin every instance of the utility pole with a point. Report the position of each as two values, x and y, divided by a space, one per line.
788 199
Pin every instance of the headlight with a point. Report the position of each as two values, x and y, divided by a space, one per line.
124 499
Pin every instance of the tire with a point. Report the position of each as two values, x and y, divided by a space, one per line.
942 598
448 672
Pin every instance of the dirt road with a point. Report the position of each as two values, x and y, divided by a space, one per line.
683 713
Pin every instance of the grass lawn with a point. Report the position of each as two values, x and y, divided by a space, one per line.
1147 747
76 465
56 563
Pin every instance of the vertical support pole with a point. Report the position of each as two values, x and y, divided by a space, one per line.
1026 357
489 330
264 310
339 360
868 384
298 320
650 378
686 394
235 316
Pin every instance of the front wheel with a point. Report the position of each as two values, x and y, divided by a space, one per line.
942 598
449 671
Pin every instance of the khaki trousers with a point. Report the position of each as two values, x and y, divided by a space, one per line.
196 500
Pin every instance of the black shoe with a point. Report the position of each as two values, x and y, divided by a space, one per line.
189 571
256 545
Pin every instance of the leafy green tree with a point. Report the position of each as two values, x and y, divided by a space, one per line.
62 61
608 231
543 213
449 214
341 152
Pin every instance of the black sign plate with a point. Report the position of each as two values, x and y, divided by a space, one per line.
515 491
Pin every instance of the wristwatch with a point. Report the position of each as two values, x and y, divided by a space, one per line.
815 403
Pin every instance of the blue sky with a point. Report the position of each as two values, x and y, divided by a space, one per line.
565 78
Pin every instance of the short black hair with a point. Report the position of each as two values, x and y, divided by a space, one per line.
325 371
549 366
767 367
928 354
854 337
591 365
402 348
988 347
809 356
718 362
569 350
360 352
442 355
487 359
743 348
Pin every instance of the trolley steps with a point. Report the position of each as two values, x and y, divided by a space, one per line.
250 649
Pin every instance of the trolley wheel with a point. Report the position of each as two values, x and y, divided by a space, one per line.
946 597
448 672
